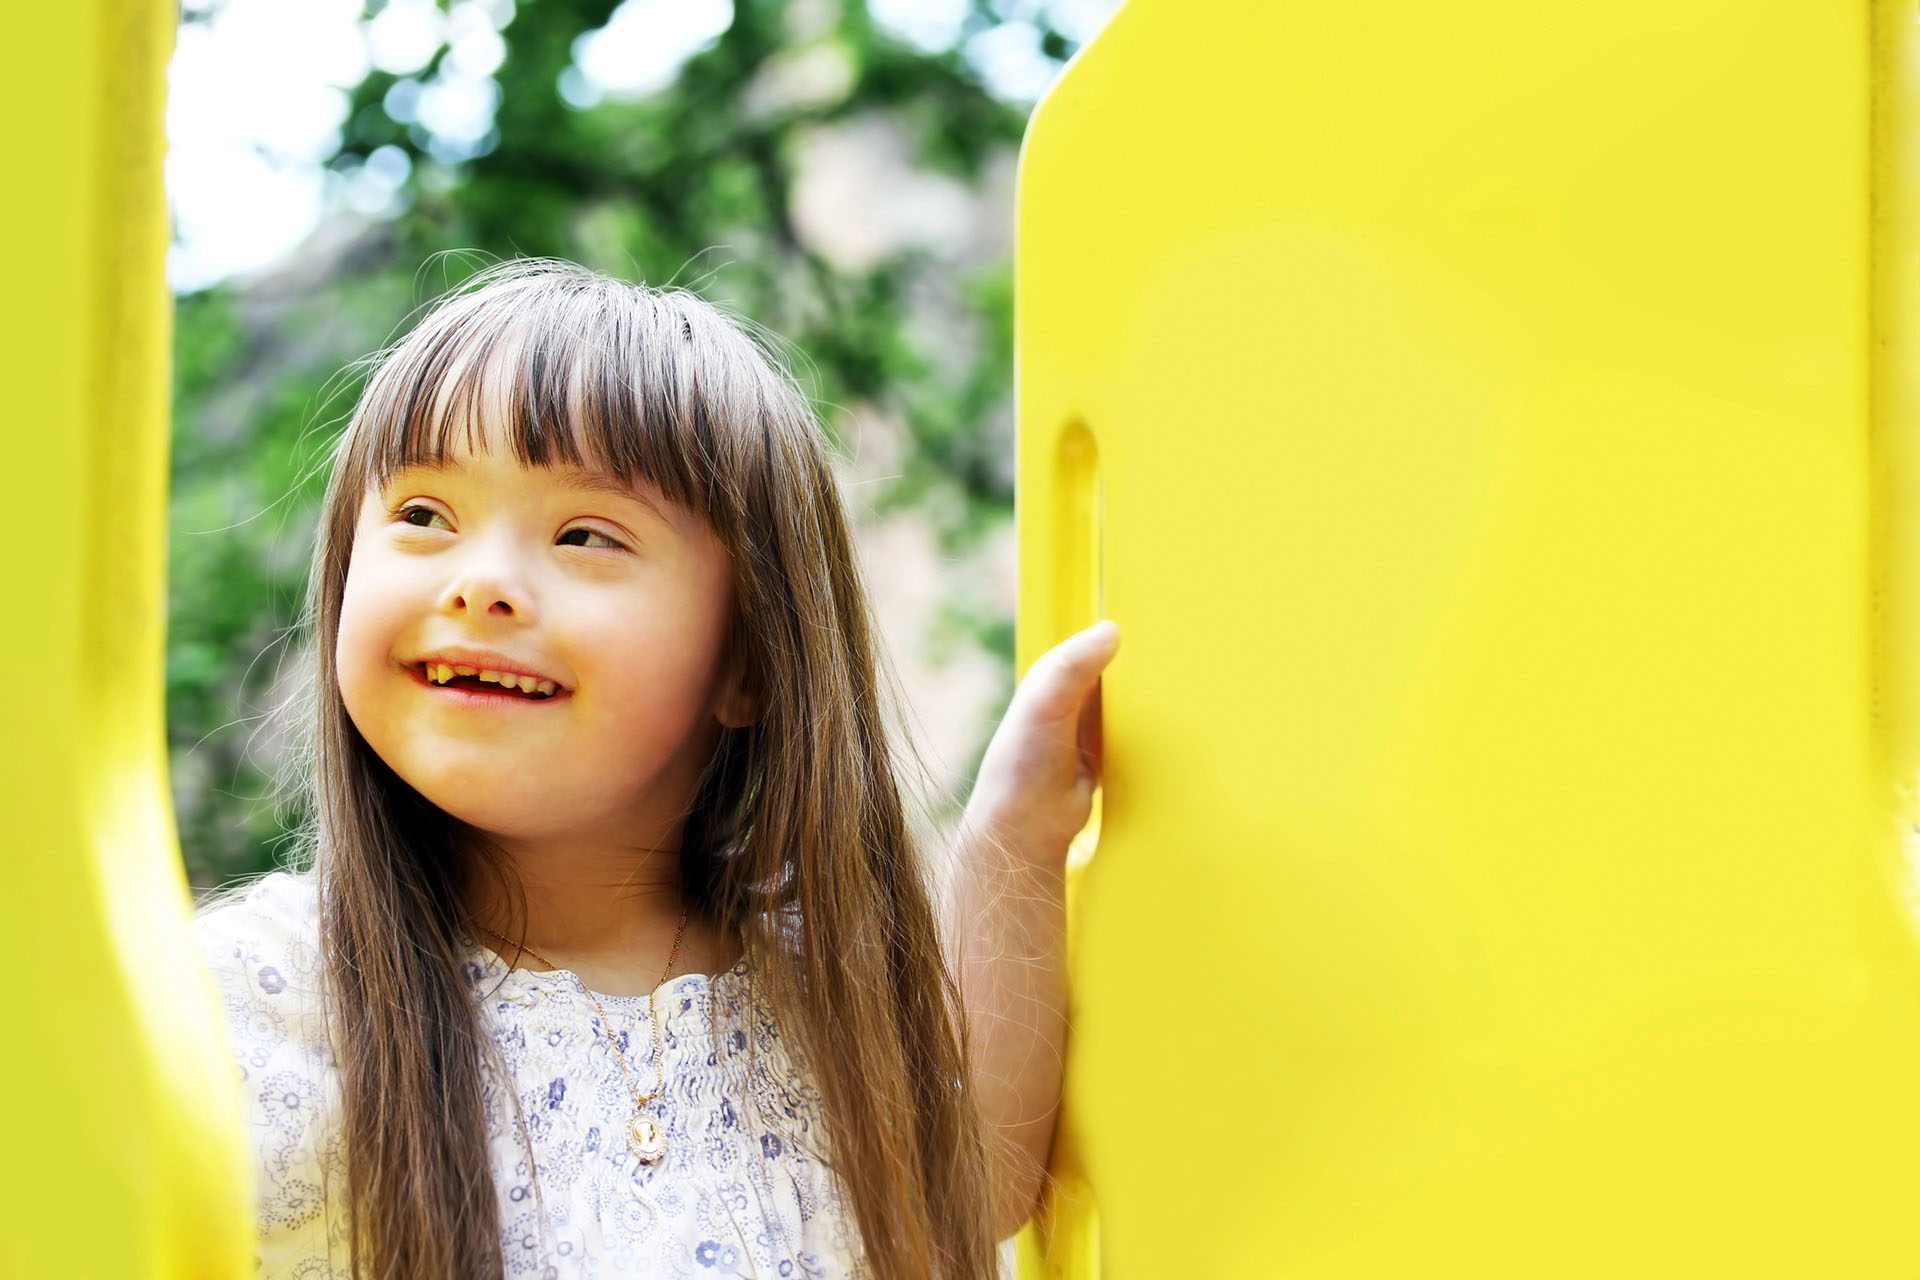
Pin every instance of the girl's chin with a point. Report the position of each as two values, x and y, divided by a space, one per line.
520 809
503 826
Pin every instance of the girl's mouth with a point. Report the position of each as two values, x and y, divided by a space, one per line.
473 692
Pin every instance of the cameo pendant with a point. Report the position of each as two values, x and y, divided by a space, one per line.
649 1137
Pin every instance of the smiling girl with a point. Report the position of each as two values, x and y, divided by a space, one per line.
612 952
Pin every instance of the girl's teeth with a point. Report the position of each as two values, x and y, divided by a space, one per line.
440 673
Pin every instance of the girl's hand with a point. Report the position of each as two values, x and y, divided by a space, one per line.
1006 924
1036 781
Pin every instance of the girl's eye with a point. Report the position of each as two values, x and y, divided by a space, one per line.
405 515
593 533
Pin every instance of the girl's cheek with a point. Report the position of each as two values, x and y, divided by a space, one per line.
358 654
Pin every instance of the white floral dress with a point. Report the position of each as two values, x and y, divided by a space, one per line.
741 1190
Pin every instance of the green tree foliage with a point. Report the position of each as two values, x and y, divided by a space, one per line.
693 185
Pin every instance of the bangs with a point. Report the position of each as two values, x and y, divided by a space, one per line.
572 372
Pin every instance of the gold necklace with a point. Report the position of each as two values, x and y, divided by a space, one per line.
647 1135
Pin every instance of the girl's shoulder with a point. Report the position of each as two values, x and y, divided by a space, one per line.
276 911
260 938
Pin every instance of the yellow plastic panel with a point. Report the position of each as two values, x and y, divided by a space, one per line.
124 1154
1491 424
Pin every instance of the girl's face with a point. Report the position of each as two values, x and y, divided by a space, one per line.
619 597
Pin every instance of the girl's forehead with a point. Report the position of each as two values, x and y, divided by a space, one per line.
475 437
475 415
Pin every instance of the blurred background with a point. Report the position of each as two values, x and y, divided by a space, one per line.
840 171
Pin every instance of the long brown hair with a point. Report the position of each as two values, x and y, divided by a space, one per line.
797 842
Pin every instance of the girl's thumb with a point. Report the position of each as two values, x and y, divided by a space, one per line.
1067 671
1098 641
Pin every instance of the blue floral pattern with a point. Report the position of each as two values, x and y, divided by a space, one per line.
743 1190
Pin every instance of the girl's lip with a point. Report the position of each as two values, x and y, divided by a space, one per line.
477 698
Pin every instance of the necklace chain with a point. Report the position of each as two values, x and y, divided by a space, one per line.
653 1018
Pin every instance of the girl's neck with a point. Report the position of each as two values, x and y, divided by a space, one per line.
704 949
610 920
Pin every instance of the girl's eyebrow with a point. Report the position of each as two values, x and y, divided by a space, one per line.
602 482
578 480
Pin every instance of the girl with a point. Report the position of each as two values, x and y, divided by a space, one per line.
614 953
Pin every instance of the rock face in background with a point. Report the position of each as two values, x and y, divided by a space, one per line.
832 172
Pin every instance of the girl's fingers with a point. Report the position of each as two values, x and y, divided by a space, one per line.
1095 649
1092 748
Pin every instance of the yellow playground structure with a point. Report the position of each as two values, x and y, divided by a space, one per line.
124 1154
1493 425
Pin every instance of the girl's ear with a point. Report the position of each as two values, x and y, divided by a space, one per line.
740 698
